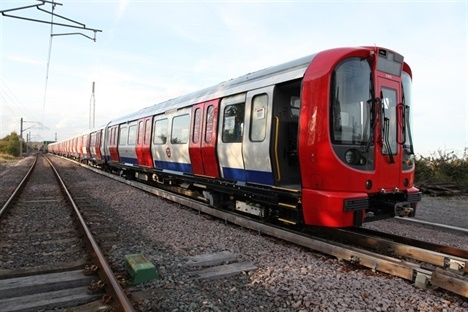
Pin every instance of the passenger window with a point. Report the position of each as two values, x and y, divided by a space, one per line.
132 135
233 123
258 119
160 131
180 129
123 136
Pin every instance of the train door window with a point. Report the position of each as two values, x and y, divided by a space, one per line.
147 131
160 131
258 120
180 129
132 135
123 135
141 133
233 123
113 137
209 123
196 126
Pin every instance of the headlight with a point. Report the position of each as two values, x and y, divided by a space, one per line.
354 157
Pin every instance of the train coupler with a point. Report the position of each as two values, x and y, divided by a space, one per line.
402 209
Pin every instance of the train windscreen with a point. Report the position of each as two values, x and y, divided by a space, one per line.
350 111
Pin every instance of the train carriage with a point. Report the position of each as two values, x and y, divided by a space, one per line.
324 140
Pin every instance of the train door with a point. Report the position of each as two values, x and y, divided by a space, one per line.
230 137
389 154
196 138
92 146
210 131
257 138
86 147
79 147
143 147
97 145
160 133
112 144
127 142
202 146
284 132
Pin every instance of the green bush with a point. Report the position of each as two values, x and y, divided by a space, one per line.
442 167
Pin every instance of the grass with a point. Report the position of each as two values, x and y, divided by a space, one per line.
6 158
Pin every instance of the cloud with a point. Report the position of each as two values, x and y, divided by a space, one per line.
121 8
25 59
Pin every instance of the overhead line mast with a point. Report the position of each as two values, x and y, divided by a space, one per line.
92 109
71 24
74 24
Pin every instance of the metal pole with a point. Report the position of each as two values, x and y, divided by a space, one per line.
21 138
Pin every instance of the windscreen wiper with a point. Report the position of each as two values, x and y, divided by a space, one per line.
386 135
373 121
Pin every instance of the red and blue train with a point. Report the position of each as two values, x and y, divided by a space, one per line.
324 140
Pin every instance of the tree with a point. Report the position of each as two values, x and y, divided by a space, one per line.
10 144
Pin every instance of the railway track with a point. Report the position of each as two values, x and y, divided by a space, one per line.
426 265
434 226
54 261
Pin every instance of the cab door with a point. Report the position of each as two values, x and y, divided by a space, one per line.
257 136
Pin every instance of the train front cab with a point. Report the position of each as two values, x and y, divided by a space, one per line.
358 157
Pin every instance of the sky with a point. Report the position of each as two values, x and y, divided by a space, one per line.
152 51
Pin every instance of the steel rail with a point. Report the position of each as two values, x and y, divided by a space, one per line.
377 262
396 239
438 255
443 227
18 188
105 272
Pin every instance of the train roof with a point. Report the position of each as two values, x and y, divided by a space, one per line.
265 77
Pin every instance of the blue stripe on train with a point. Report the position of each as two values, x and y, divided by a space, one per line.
128 160
175 166
253 176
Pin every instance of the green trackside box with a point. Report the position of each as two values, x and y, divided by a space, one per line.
140 268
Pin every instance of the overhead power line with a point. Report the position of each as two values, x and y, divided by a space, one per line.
71 24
